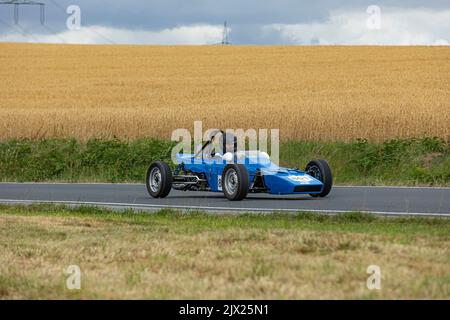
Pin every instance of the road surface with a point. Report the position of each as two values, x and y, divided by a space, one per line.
381 200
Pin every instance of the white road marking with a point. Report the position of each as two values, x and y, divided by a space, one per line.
206 208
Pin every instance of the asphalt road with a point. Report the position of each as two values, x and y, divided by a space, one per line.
381 200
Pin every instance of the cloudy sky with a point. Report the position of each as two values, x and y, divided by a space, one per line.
290 22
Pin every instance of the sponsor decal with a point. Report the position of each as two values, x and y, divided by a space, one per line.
219 182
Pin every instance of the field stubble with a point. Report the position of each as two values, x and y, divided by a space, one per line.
168 255
309 93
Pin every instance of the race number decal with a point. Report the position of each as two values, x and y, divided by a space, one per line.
303 179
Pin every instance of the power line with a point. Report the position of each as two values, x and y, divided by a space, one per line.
91 30
56 34
125 8
17 25
21 30
225 36
17 3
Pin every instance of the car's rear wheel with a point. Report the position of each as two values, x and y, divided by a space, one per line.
235 182
320 170
159 179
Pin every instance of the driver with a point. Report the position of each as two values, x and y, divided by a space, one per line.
229 143
214 150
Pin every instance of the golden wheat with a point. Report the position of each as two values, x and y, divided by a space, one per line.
321 93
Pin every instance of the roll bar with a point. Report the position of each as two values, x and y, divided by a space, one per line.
224 142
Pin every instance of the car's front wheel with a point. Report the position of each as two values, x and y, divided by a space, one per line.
159 179
320 170
235 182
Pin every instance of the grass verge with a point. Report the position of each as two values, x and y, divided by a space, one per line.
171 254
395 162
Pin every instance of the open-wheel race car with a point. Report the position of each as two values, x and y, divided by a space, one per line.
236 173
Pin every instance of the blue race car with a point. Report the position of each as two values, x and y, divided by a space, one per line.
236 173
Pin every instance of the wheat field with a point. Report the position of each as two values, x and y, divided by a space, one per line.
308 92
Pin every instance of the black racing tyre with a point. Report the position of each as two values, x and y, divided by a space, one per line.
235 182
320 170
159 179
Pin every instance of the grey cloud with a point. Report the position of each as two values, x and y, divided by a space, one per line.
246 17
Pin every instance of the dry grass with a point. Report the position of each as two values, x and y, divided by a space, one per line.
320 93
219 257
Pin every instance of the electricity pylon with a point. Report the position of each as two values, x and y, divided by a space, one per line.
225 40
17 3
